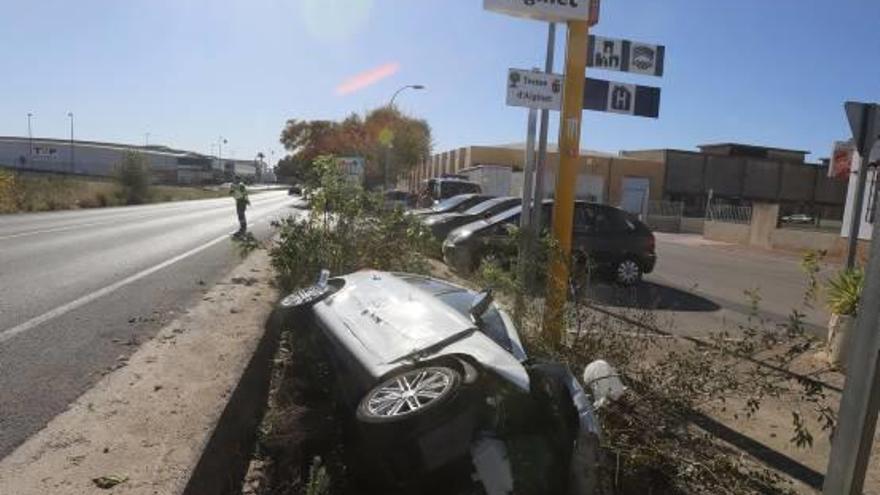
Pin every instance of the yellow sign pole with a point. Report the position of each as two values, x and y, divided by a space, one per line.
569 154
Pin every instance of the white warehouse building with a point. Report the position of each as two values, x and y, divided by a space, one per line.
167 165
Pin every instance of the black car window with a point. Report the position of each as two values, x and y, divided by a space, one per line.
493 324
453 188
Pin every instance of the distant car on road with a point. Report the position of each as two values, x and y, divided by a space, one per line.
453 204
295 189
609 238
442 224
438 386
798 218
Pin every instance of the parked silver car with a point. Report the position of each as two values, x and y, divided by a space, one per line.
434 375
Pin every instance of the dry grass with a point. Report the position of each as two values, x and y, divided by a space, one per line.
30 192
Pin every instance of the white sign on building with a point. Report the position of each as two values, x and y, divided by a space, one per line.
544 10
534 89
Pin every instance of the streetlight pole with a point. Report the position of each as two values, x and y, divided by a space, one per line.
72 166
30 141
220 142
146 139
387 147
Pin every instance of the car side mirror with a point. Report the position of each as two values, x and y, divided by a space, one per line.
480 304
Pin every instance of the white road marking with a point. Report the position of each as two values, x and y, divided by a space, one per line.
9 333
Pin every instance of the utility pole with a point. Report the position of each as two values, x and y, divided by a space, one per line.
541 165
569 154
72 166
867 133
220 142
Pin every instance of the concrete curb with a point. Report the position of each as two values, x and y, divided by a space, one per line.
224 460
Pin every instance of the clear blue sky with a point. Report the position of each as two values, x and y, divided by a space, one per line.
766 72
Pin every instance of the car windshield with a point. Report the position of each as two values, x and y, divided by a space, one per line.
485 206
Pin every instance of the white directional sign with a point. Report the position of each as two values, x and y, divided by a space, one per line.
625 56
544 10
531 89
857 113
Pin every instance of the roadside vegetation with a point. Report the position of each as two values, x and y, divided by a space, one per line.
662 437
32 192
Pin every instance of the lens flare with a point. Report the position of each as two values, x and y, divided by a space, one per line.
368 78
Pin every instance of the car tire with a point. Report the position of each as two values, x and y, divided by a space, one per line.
628 272
429 389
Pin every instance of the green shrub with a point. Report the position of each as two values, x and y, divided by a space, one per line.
348 229
133 174
844 292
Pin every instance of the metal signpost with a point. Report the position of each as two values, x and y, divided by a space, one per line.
857 417
536 90
541 164
864 120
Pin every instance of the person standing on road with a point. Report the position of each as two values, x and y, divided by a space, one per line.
239 192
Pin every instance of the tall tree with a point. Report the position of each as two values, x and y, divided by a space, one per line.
385 135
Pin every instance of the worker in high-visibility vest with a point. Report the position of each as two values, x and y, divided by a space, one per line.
239 192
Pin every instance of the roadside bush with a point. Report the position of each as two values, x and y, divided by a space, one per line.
347 229
8 202
133 174
659 438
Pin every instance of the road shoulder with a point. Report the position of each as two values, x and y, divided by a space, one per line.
150 421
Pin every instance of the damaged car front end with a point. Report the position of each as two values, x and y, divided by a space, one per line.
436 384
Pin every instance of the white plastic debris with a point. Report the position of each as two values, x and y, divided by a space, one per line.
604 382
489 456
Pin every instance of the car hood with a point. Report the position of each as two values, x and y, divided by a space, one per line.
385 322
470 228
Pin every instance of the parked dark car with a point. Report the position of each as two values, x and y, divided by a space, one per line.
295 189
441 225
449 205
435 381
609 238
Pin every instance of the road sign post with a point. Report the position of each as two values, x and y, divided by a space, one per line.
566 177
864 119
541 164
857 416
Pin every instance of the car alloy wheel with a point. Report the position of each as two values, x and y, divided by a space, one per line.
409 393
628 272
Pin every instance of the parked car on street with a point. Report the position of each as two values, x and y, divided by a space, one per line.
608 238
449 205
441 225
295 190
798 218
435 381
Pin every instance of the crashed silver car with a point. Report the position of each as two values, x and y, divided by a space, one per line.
436 383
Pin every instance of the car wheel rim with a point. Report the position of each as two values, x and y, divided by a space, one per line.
409 392
628 272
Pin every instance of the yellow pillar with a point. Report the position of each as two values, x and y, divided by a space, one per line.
569 151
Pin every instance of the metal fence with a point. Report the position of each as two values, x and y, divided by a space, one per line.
730 214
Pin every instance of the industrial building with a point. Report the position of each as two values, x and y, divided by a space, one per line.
743 174
730 173
167 165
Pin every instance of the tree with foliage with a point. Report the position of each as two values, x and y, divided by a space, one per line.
383 135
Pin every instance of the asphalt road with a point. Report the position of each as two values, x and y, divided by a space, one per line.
80 289
699 286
